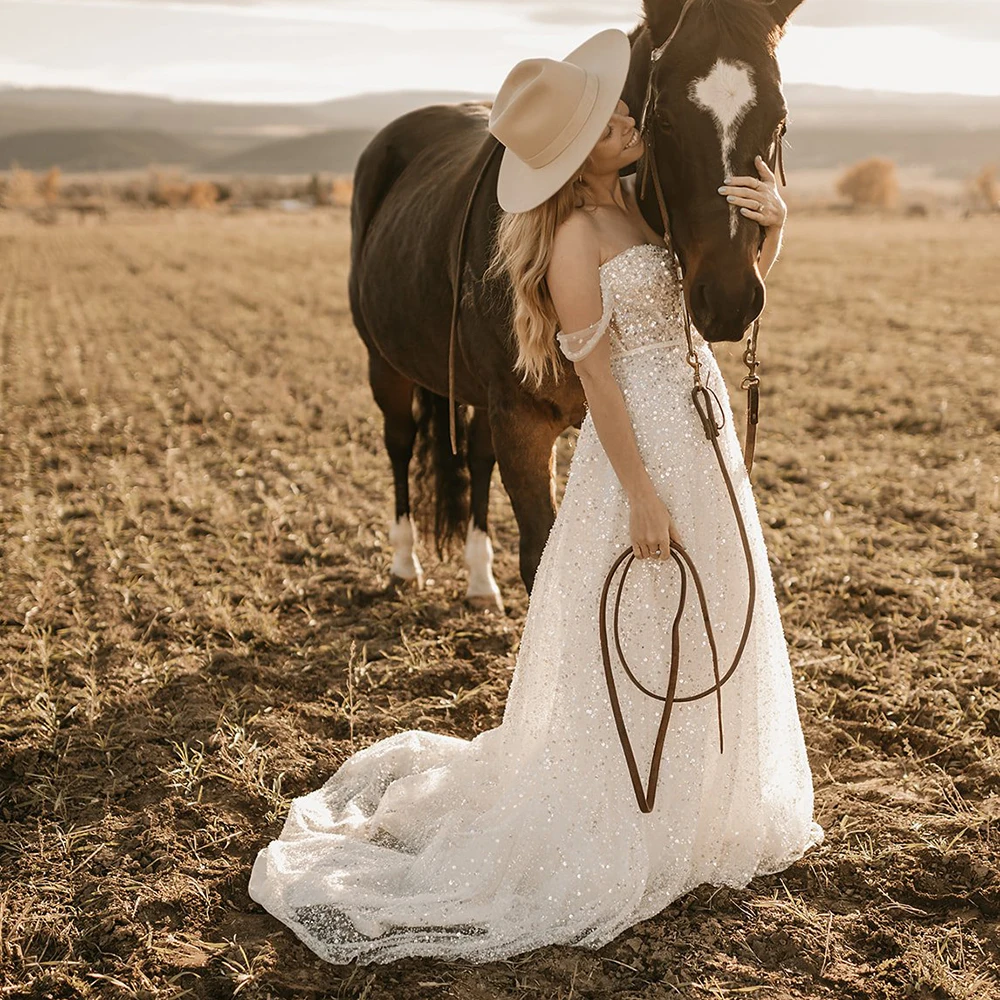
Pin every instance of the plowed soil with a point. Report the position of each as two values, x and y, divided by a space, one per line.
194 504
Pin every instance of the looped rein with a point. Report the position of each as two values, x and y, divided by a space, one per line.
702 397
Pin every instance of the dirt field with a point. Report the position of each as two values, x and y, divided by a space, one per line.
194 503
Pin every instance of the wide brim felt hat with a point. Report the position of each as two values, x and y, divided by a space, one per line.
549 114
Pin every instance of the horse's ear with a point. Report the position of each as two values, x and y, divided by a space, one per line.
661 16
783 9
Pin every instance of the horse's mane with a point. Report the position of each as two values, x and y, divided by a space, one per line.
744 22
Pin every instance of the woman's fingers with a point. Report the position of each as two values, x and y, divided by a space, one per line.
746 202
763 169
756 206
746 182
648 550
759 199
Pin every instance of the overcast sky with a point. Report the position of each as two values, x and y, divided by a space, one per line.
304 50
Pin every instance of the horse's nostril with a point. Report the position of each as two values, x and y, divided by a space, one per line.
757 303
699 298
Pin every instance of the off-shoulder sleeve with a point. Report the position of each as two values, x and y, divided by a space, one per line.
579 343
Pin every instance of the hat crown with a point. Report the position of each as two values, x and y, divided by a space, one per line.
549 114
541 106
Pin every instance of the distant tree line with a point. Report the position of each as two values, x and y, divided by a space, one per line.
158 188
873 183
870 184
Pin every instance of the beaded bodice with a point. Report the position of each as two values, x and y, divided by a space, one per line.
642 304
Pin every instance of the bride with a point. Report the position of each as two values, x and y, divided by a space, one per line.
531 834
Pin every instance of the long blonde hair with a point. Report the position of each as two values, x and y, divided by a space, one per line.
522 250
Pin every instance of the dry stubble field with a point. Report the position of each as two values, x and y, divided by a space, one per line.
194 502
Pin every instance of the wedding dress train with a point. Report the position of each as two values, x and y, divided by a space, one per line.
530 833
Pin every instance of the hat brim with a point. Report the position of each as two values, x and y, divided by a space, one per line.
606 55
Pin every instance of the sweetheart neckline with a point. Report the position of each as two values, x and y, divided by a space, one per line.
621 253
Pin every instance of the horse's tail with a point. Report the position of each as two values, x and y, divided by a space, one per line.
442 500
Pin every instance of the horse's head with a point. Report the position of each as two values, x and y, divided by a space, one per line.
715 102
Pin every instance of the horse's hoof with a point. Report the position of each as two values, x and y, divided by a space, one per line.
485 602
398 584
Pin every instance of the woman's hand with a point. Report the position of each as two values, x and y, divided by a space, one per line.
651 527
757 198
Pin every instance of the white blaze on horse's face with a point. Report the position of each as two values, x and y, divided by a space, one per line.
727 94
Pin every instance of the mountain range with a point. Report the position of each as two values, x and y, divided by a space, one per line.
83 130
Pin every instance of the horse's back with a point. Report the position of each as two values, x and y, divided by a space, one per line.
411 185
415 162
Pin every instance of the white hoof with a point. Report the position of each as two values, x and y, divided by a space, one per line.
482 592
486 602
406 569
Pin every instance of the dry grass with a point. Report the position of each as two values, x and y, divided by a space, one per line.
194 507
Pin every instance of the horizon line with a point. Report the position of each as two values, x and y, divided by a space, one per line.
471 94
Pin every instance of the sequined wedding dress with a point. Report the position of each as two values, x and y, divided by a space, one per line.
530 833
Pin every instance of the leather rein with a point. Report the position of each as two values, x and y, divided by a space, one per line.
702 397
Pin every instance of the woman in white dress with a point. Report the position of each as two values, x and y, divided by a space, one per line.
531 833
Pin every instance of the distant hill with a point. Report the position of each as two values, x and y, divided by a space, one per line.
829 127
336 151
24 109
952 152
94 149
37 108
815 105
810 104
372 111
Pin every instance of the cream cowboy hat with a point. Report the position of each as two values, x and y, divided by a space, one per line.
549 114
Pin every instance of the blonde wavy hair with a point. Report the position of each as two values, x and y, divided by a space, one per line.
522 251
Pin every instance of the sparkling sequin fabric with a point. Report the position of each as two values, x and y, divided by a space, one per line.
530 834
647 316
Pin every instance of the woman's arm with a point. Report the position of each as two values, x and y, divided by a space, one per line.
770 249
612 422
573 280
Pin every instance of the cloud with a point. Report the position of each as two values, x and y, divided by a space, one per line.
596 12
962 18
314 49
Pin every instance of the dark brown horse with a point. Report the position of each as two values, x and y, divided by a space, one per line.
716 102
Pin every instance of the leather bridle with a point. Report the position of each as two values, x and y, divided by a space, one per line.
751 381
703 398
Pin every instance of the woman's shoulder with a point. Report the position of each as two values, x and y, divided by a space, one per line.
576 242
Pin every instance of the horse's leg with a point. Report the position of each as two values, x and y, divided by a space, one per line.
523 439
482 591
393 393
